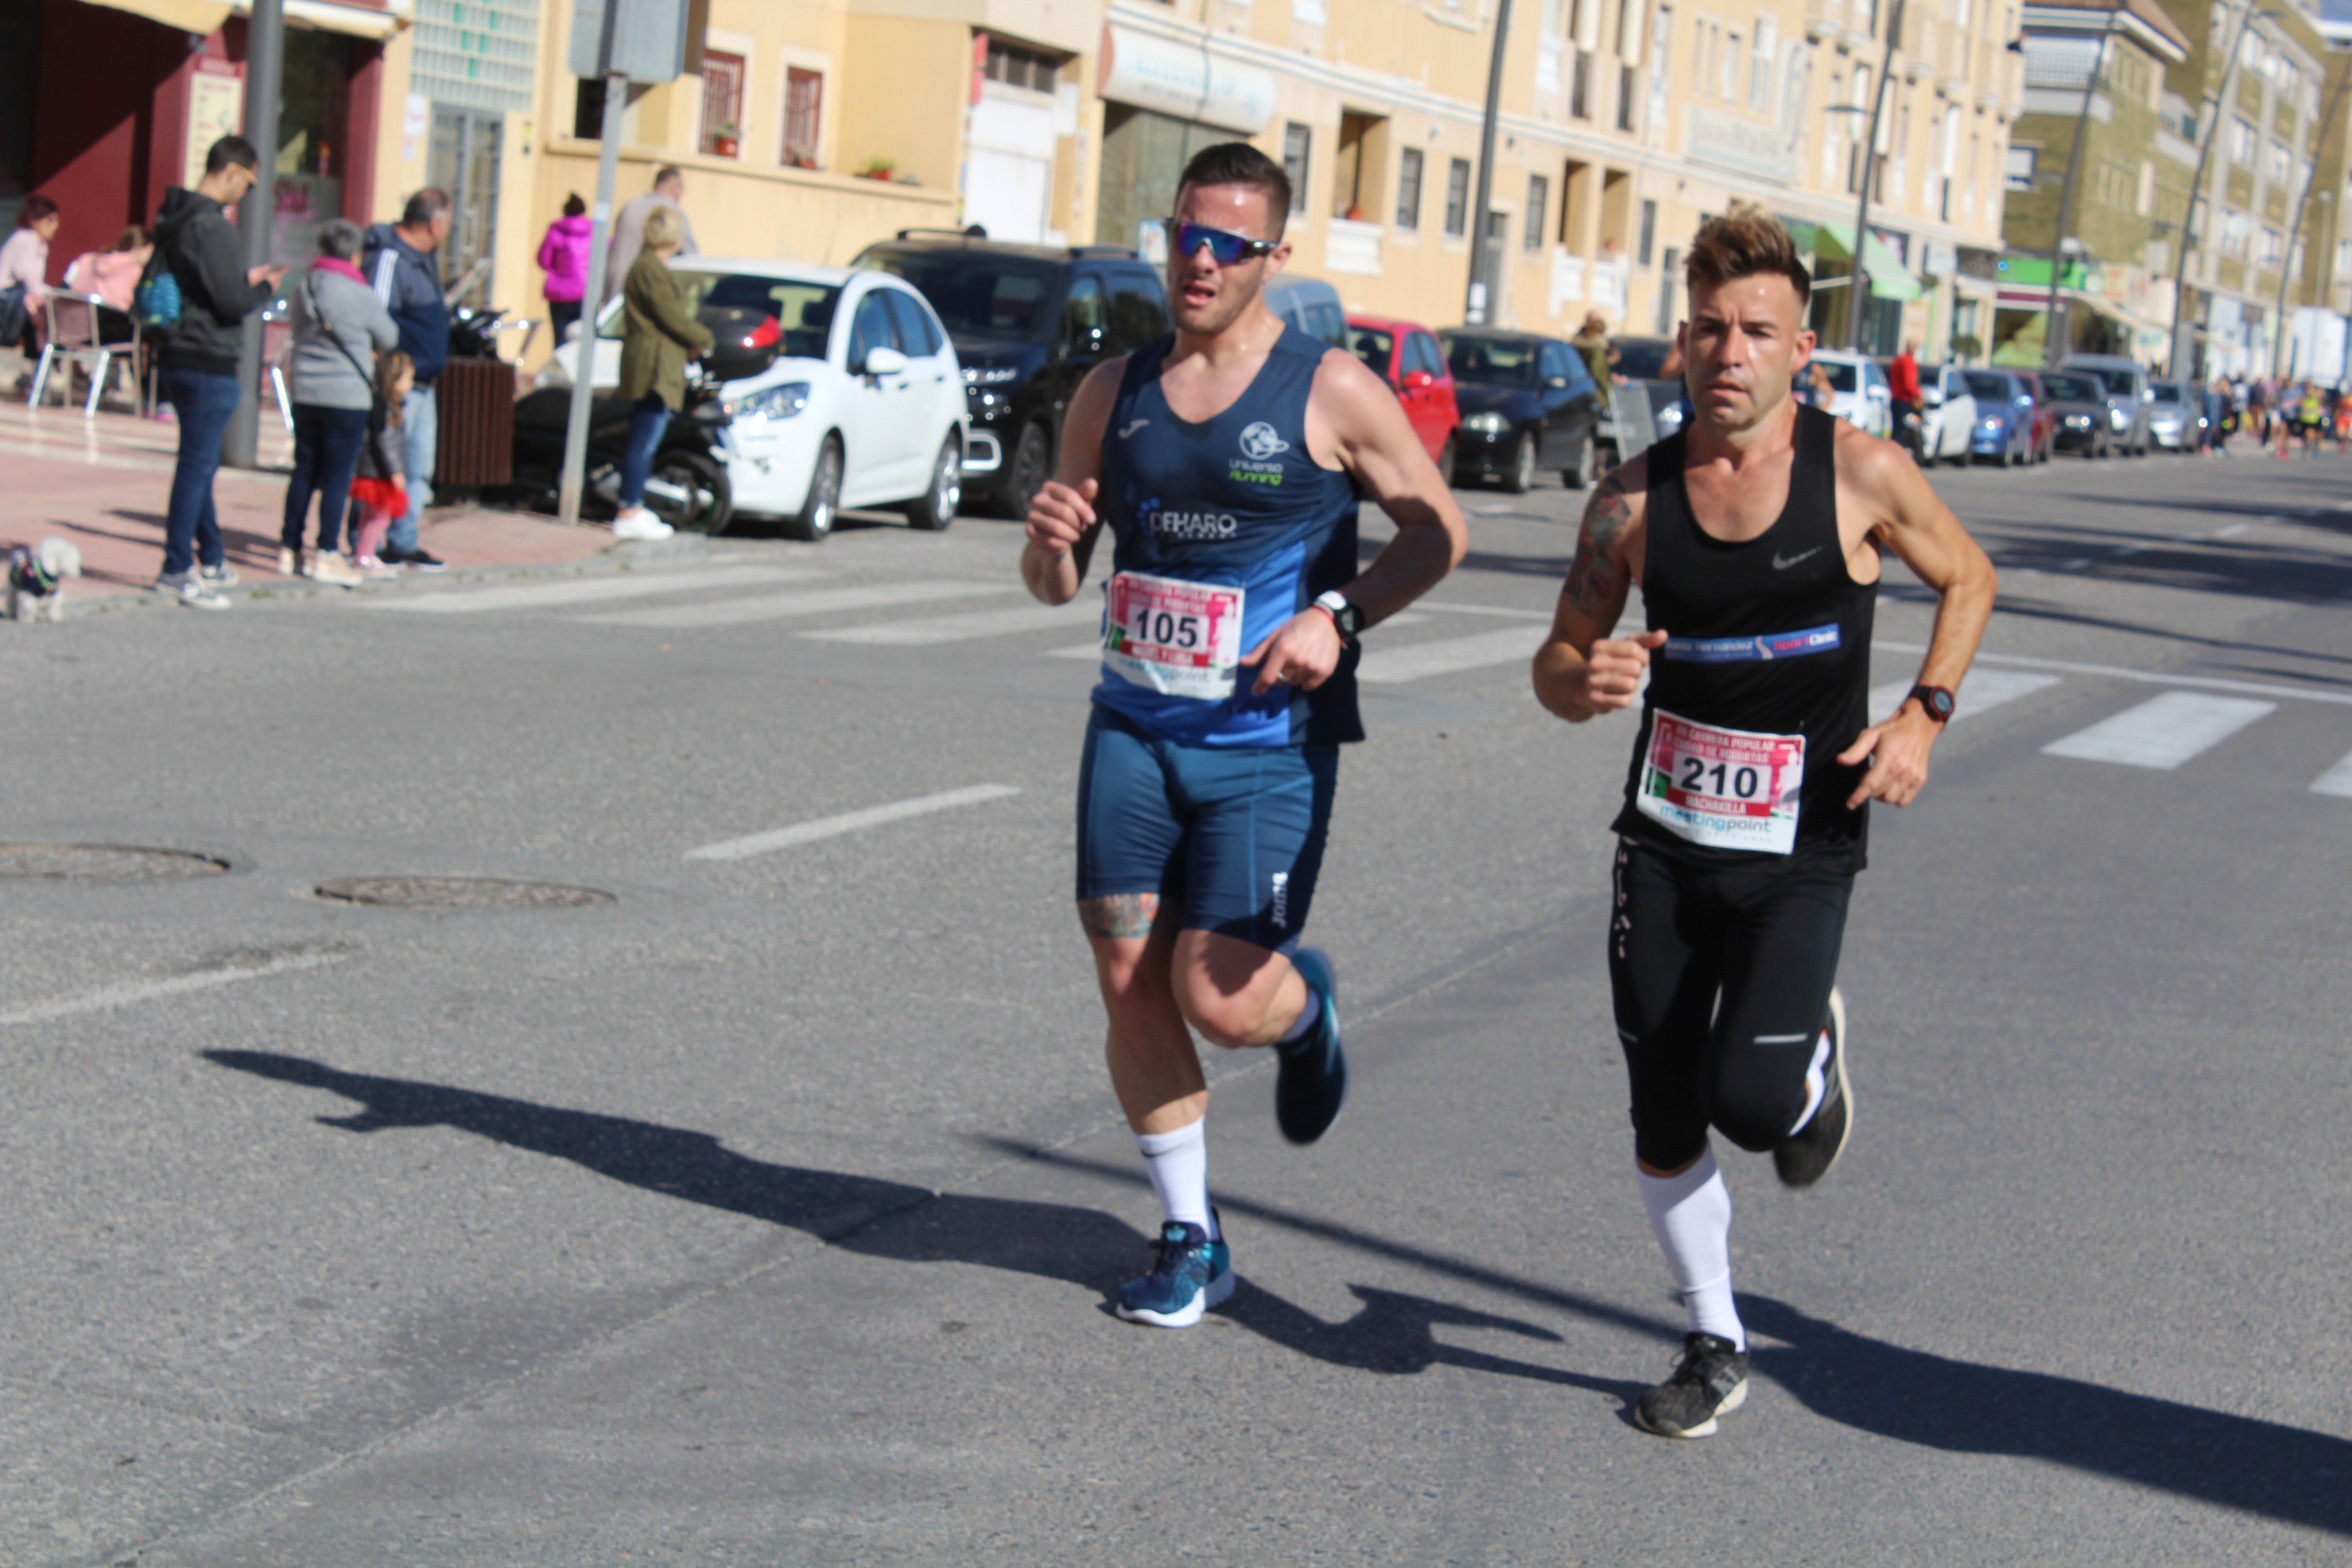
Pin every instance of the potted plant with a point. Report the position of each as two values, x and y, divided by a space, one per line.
724 142
878 168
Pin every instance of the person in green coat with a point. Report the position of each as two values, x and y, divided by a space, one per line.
659 334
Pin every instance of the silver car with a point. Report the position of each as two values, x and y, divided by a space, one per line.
2176 415
2128 399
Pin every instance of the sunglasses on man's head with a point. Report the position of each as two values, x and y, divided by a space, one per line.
1226 249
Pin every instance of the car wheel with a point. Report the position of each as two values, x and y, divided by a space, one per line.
1521 478
815 520
708 497
1581 477
1445 463
1031 466
936 508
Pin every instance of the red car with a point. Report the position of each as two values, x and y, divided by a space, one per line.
1405 354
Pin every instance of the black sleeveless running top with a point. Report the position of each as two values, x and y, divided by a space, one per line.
1770 637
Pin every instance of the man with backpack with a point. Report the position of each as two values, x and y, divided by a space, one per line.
199 291
403 266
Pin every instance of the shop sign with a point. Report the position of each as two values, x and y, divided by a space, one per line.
1739 146
215 109
1184 79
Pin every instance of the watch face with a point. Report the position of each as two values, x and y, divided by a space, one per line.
1938 701
1351 619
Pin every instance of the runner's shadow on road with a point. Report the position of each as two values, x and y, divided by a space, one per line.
1914 1396
1394 1334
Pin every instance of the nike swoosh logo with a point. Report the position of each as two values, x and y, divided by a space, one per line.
1133 426
1780 564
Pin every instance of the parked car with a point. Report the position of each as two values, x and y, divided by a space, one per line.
2129 398
1310 304
1029 322
1950 415
1527 401
2079 399
865 406
1405 354
1642 362
2176 415
2003 431
1860 393
2045 421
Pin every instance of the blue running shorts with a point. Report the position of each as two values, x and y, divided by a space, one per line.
1232 836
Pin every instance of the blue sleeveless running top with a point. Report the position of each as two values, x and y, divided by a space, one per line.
1237 502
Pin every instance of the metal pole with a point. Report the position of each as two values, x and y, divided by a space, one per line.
1858 279
2294 229
2182 331
583 357
1481 259
265 56
2055 319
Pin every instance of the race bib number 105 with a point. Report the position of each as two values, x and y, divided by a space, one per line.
1173 636
1728 789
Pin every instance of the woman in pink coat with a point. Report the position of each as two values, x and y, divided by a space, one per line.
563 256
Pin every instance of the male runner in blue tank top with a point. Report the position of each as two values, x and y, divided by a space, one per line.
1756 536
1228 460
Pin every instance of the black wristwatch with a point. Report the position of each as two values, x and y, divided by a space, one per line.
1347 617
1939 701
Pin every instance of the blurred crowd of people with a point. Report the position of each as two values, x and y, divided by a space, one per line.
2279 415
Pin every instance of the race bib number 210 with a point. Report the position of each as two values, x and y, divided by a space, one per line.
1728 789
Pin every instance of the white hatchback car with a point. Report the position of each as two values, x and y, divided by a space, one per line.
864 407
1860 394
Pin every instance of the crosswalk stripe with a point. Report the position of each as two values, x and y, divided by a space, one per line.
1419 661
2336 780
848 821
2162 732
1077 650
922 631
586 590
799 602
1986 689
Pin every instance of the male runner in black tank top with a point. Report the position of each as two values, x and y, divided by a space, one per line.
1756 536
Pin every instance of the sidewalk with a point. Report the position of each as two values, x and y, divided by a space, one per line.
103 484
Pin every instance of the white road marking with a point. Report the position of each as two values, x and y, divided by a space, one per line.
2336 780
2149 678
921 631
848 821
799 602
1986 689
1543 615
1394 666
1077 650
586 590
2229 531
124 995
2163 731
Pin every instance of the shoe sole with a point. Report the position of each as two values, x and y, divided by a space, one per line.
1329 994
1216 1294
1731 1401
1845 1097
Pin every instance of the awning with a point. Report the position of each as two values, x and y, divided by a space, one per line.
1889 279
360 21
1187 79
202 17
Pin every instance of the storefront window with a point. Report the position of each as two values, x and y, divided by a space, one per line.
311 123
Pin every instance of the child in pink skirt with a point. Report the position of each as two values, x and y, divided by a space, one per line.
379 489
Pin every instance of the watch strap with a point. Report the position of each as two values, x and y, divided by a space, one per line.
1936 700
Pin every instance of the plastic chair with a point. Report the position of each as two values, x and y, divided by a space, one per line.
76 337
276 347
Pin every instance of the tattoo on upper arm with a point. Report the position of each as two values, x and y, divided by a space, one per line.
1125 916
1594 577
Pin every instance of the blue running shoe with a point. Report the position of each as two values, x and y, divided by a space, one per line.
1190 1274
1313 1085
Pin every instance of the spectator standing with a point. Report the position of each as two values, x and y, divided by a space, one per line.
379 487
217 291
658 335
1592 341
340 326
2216 416
629 227
1903 391
24 272
564 257
401 265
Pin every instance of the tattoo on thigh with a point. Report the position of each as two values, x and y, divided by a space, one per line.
1125 915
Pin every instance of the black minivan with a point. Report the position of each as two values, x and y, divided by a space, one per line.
1029 322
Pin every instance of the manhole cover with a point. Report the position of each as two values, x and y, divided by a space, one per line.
459 893
103 863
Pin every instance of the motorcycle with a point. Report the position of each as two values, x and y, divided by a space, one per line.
688 487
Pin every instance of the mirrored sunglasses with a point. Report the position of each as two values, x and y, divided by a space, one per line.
1226 249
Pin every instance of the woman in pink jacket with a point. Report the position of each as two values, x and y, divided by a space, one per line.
563 256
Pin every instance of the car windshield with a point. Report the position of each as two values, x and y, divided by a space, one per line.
975 293
804 309
1842 377
1984 383
2165 392
2119 382
1374 348
1492 362
2072 389
1641 359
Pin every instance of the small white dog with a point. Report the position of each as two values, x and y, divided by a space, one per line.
37 578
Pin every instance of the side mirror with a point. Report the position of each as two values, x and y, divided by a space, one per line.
883 362
1415 380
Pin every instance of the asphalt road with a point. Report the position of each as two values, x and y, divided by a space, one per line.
766 1214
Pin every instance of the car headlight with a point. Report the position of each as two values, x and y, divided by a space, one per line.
770 402
1991 427
1667 420
1488 424
2118 417
2078 422
997 375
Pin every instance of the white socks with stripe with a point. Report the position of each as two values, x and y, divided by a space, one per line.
1691 1217
1178 1164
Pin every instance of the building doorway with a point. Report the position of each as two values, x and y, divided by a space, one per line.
464 162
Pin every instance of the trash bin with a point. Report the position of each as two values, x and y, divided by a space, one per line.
475 445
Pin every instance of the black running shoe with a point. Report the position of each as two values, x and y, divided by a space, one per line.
1710 1379
418 560
1313 1085
1806 1155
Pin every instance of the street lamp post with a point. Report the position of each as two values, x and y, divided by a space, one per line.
572 482
257 215
2054 331
1858 279
2294 229
1481 289
2181 330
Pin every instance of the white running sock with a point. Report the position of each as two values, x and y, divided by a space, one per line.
1691 1217
1178 1164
